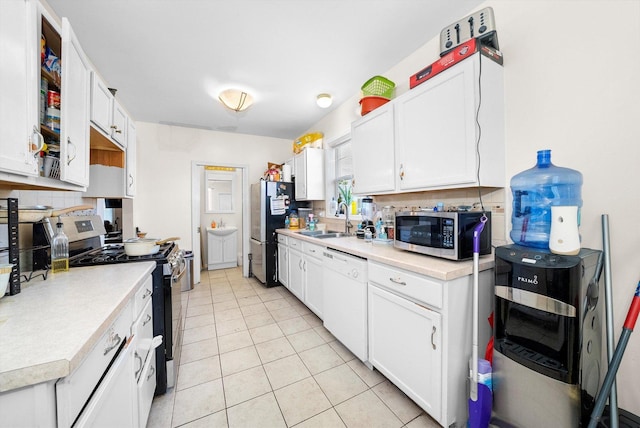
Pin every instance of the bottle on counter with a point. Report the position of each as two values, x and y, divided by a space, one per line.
294 222
59 250
286 222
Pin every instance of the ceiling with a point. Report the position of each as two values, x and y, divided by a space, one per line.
169 59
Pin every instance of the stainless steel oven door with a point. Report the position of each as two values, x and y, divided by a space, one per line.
179 278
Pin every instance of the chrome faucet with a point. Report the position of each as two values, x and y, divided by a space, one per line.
347 223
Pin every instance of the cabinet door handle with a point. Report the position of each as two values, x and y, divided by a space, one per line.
151 372
397 281
138 358
70 144
114 341
401 172
146 321
130 180
433 333
146 294
34 147
300 264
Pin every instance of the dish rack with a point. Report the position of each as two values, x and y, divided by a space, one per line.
12 248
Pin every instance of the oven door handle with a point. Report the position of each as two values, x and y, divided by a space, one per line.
535 301
183 269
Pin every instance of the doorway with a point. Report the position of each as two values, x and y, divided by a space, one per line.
197 237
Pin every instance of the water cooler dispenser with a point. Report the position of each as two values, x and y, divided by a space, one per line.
547 366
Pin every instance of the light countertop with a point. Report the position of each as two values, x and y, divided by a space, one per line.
434 267
48 328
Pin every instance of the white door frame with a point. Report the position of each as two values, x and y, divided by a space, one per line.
195 214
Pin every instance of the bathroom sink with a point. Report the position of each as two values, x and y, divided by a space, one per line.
222 231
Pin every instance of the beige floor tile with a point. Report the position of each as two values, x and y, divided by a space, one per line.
342 350
214 420
284 313
198 333
198 321
230 326
162 410
248 301
265 333
216 273
227 304
274 350
286 371
367 411
199 350
225 296
370 377
227 314
199 310
220 290
301 400
423 421
218 280
199 301
293 325
324 334
198 401
313 320
199 371
245 385
269 294
234 341
258 320
272 305
244 292
305 340
262 411
302 309
320 358
340 383
239 360
253 309
197 293
327 419
401 405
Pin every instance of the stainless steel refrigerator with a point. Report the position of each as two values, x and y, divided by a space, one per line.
271 202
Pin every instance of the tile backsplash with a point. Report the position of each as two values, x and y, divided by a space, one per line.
55 199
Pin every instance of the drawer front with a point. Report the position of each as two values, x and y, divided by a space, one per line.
313 250
74 389
143 332
295 243
416 287
146 389
142 297
282 239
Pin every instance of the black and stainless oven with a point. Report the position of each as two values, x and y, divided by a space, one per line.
85 247
442 234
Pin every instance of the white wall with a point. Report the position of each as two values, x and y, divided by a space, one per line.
162 206
572 85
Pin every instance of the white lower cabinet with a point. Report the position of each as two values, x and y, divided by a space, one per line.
420 336
283 261
313 294
222 248
398 324
296 268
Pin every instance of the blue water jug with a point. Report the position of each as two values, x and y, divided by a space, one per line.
534 191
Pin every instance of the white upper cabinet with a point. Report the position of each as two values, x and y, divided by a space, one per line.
131 159
74 125
309 170
119 126
430 138
101 104
373 152
19 122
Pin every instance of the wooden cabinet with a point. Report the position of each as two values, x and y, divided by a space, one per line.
309 172
372 141
429 319
21 79
222 248
283 261
436 135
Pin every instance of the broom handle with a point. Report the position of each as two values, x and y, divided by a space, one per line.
608 300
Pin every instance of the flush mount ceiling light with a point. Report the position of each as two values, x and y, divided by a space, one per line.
235 99
324 100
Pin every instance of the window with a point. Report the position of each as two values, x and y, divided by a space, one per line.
343 178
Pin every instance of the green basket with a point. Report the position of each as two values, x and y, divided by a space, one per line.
378 86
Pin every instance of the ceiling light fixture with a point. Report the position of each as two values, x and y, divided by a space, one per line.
324 100
235 99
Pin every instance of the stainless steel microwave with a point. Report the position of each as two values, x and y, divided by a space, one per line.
441 234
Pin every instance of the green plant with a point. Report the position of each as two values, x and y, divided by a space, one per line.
345 192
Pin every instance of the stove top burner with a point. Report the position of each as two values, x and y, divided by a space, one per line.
114 253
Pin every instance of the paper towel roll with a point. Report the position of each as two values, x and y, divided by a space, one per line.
286 172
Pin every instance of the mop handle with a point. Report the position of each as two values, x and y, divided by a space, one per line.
477 231
629 324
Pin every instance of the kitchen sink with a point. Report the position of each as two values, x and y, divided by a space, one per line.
323 234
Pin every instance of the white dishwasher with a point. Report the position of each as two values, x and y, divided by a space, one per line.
345 300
